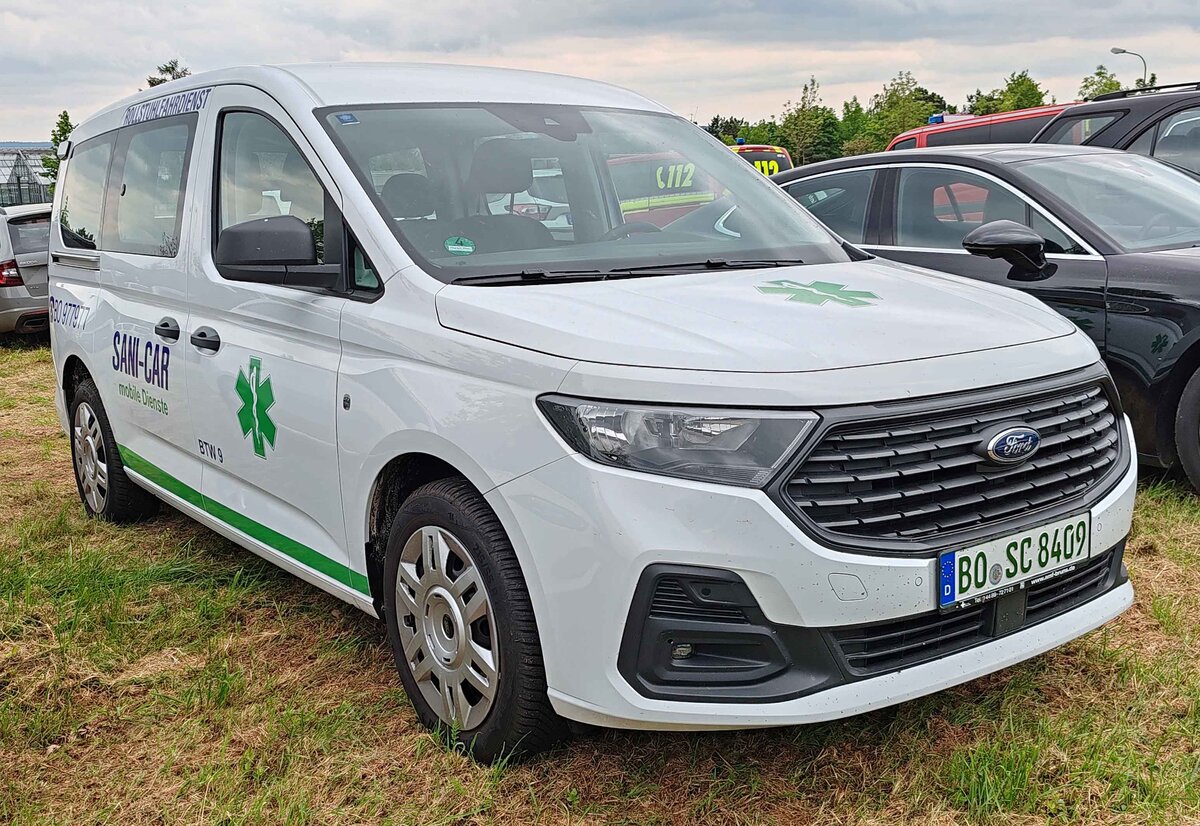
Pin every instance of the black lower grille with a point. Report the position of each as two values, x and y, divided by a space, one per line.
868 650
918 475
672 601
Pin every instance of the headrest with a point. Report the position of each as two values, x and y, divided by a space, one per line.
501 165
408 195
298 184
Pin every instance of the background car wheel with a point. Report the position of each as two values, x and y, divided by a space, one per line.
1187 430
100 477
461 625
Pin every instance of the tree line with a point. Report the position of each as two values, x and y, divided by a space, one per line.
812 131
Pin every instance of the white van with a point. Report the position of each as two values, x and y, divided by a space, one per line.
685 463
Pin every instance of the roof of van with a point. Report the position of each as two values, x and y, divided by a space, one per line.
21 210
311 85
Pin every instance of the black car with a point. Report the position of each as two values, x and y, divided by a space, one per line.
1109 239
1162 122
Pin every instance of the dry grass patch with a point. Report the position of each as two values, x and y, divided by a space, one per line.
158 674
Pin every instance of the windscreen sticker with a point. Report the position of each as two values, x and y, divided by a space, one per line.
819 292
177 104
457 245
346 118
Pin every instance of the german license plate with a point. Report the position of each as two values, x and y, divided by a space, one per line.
971 576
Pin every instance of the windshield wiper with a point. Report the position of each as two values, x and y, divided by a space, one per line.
531 276
712 264
536 276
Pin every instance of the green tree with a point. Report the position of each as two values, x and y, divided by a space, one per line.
1148 82
980 102
765 131
1020 91
811 130
1099 82
902 105
62 128
855 129
171 70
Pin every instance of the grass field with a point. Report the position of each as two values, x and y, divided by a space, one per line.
158 674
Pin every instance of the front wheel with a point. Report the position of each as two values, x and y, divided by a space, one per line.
461 625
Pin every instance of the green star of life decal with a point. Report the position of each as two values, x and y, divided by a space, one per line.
257 398
818 292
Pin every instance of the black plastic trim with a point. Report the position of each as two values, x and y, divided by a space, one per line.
741 659
935 405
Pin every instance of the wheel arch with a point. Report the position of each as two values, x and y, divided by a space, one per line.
393 484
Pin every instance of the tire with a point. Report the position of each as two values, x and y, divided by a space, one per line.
1187 430
106 492
456 600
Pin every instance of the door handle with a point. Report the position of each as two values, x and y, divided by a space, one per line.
206 338
168 328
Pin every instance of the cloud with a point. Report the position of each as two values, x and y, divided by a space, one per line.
700 57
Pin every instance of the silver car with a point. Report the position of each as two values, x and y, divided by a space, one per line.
24 247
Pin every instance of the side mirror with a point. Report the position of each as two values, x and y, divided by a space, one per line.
1015 243
275 250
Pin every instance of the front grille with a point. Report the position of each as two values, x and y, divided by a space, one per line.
672 601
917 476
868 650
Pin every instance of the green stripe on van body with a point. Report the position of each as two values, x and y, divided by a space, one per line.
285 545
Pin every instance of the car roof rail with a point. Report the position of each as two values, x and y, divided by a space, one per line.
1145 90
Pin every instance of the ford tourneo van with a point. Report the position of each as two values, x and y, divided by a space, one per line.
699 469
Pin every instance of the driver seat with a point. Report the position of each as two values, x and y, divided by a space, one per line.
500 166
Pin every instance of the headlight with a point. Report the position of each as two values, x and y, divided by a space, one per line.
733 447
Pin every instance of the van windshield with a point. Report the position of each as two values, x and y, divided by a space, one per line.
505 189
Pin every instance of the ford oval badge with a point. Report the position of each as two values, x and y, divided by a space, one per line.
1012 445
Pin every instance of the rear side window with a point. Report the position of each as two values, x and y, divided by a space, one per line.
839 201
29 235
907 143
1078 130
1178 139
1020 130
959 137
147 187
83 192
262 173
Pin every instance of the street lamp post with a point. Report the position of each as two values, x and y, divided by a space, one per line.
1145 70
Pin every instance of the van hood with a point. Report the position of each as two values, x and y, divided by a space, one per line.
773 320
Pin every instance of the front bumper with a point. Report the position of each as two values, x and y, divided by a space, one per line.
585 534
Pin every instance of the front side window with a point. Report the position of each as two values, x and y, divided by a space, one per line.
1178 139
839 201
1140 203
148 180
29 235
262 173
1080 129
83 192
937 207
503 189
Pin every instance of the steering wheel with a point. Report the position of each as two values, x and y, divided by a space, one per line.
625 230
1164 219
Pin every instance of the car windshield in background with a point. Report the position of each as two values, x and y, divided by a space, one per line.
521 189
1140 203
30 235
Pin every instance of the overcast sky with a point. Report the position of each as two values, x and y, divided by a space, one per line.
699 57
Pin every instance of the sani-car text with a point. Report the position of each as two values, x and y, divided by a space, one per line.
439 341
